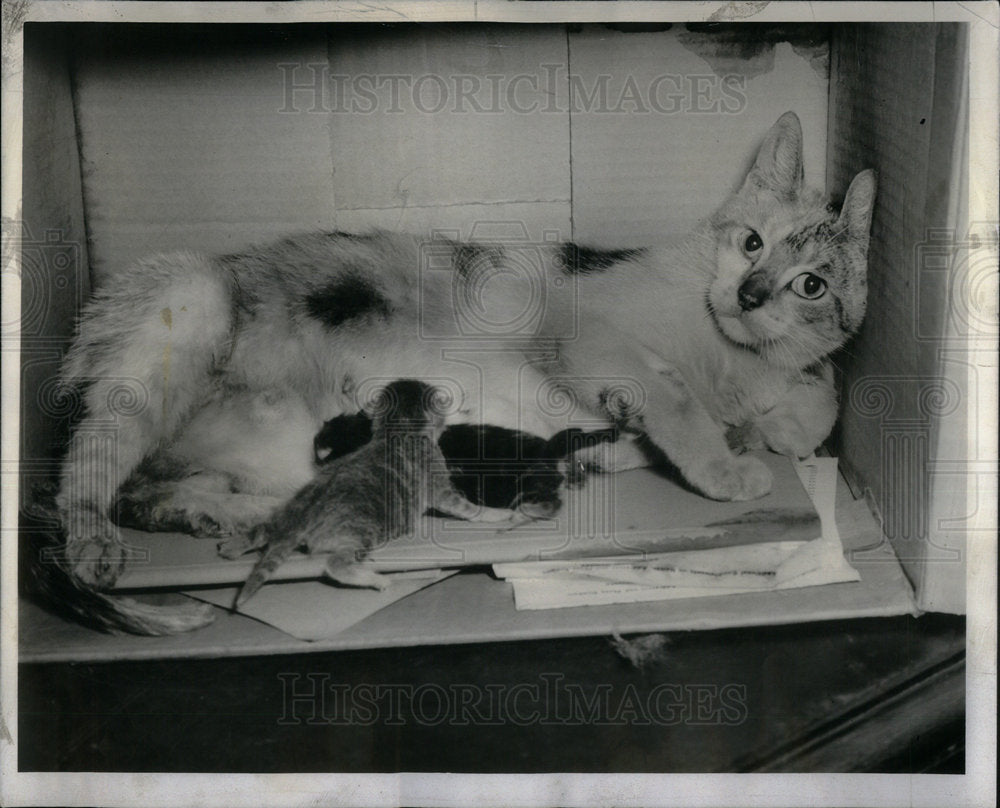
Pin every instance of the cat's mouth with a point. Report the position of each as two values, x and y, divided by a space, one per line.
735 328
750 328
755 330
761 334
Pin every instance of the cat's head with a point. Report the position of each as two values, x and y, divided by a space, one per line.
790 274
408 405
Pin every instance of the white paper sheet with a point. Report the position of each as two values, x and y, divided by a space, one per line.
750 568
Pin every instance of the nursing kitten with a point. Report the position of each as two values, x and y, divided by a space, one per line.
723 340
489 465
365 498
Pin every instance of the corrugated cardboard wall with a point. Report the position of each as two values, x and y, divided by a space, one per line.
896 105
55 280
211 139
184 143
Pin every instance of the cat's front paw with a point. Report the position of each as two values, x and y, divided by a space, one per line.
733 478
744 438
789 438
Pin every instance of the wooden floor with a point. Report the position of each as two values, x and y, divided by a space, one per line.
882 694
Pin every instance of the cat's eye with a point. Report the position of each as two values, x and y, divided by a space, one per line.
753 243
809 286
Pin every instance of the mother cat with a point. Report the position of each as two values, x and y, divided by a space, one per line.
243 357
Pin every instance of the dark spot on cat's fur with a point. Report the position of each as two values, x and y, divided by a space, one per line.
345 298
578 260
469 257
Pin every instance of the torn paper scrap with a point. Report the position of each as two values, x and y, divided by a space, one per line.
749 568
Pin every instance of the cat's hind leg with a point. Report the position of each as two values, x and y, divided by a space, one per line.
201 505
141 361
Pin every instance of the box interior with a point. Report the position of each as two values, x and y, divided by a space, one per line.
141 139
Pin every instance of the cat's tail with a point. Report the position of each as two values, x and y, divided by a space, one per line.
274 556
46 577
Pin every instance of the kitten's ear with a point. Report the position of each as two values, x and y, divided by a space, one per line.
778 166
856 214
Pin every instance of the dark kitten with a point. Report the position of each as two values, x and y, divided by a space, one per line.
489 465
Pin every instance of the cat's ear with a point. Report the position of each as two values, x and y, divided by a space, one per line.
778 166
856 214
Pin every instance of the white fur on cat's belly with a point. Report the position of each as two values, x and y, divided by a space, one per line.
264 440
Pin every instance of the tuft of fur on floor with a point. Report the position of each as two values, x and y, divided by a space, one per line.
641 651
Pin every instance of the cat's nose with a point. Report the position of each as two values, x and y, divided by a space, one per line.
753 291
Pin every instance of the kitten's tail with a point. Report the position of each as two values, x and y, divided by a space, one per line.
274 556
47 578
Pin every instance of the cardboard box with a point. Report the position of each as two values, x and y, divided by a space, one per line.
140 139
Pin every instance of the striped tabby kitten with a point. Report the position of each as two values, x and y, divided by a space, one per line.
695 352
366 498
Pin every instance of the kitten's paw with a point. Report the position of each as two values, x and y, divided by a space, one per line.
733 478
530 512
487 514
359 576
243 542
542 509
234 547
607 457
